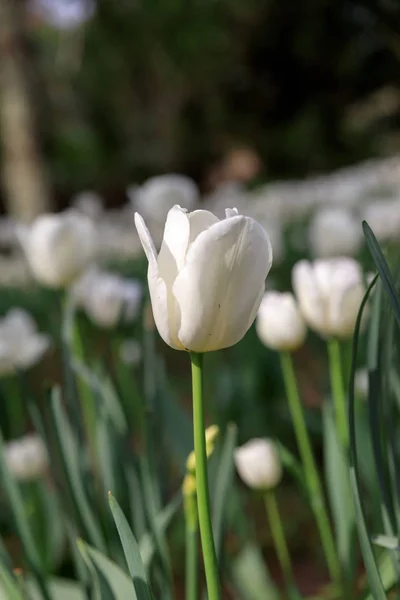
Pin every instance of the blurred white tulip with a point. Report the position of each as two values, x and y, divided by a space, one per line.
335 232
159 194
258 464
280 324
59 247
108 298
329 293
26 457
21 346
207 282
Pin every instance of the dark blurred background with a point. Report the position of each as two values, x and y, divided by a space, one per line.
101 94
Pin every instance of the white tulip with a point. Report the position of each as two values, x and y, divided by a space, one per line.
207 282
258 464
21 346
159 194
335 232
280 324
329 293
108 298
58 247
26 457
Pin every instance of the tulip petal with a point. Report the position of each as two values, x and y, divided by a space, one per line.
231 212
308 295
200 220
157 286
175 243
221 286
146 240
344 314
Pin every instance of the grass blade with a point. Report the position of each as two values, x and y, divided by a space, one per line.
371 566
131 551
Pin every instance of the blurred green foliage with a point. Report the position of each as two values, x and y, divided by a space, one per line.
146 87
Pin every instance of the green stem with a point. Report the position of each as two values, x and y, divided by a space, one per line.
14 406
338 393
278 536
191 563
313 481
203 500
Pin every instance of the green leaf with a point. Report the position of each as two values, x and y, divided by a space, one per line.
60 589
251 576
223 481
383 269
147 544
70 458
291 464
370 562
390 542
116 582
131 550
9 589
339 491
18 510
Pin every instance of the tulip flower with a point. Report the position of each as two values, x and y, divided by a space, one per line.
21 346
159 194
59 247
208 280
26 457
107 298
323 233
280 324
258 464
329 293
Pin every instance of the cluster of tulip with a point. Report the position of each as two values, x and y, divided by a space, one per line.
207 288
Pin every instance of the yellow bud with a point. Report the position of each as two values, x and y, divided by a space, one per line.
189 485
211 433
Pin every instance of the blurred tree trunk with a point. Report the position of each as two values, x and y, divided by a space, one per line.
23 171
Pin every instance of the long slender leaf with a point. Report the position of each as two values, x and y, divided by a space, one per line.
366 547
223 483
119 584
9 589
338 485
70 458
131 550
383 269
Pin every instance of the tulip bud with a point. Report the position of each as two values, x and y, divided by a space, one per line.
26 458
58 247
280 324
329 293
21 346
212 433
207 282
258 464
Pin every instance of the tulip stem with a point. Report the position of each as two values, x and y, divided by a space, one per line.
203 500
278 535
316 496
338 393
